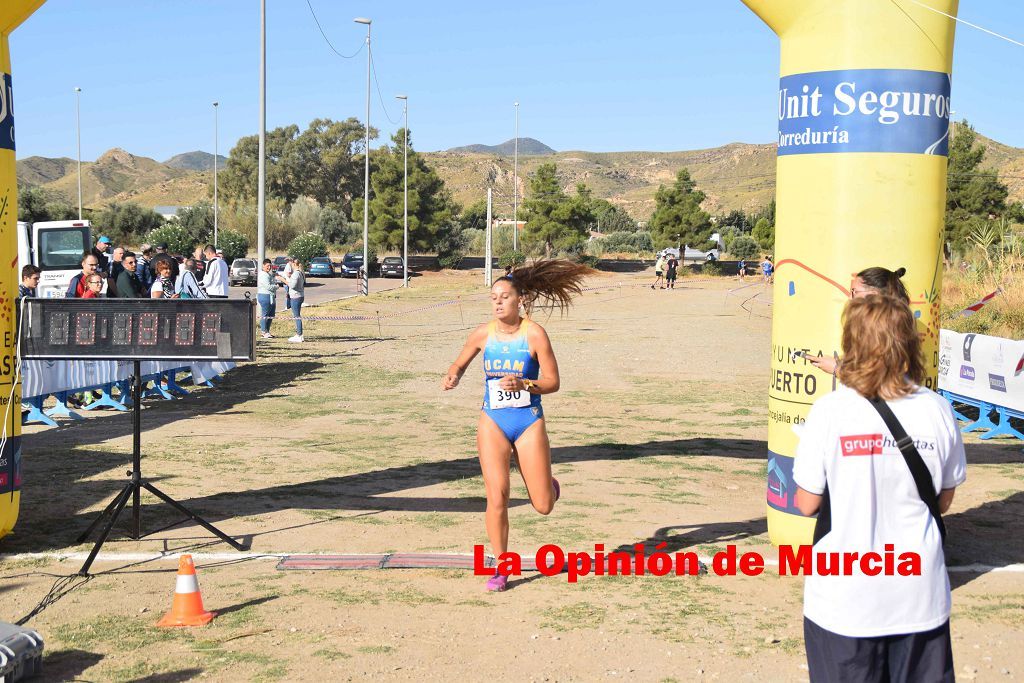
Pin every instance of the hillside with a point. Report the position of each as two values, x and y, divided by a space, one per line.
527 146
734 176
196 161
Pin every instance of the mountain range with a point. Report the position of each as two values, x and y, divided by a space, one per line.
733 176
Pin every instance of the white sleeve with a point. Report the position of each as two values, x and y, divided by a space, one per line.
809 466
208 277
954 468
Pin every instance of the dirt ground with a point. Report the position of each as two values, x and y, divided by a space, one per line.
347 445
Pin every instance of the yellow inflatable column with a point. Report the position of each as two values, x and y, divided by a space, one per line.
863 136
12 13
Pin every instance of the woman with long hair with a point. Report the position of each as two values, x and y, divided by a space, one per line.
874 280
519 367
868 623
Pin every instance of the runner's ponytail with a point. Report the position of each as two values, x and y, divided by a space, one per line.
553 283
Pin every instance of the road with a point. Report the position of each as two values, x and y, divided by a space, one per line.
320 290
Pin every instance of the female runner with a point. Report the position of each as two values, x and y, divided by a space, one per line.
519 367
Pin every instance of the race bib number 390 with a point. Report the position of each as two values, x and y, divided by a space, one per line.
500 398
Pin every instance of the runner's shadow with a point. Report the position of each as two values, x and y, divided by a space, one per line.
68 665
984 535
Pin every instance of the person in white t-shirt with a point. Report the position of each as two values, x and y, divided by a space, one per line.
215 279
861 627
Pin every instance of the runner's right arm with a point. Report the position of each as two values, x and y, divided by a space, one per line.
476 341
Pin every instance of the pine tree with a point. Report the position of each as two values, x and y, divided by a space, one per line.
677 212
972 194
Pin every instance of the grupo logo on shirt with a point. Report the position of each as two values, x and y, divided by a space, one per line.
877 444
864 110
997 382
967 373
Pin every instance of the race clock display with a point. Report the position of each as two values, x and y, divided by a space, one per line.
148 329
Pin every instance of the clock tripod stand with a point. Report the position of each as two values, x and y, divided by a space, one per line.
133 490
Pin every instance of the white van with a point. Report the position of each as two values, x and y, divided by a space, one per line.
56 247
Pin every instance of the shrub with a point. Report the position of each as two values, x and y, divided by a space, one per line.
627 242
179 240
512 258
744 247
711 268
307 246
234 244
451 247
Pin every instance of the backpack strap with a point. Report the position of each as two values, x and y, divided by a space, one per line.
922 478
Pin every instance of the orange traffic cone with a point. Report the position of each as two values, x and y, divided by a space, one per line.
187 608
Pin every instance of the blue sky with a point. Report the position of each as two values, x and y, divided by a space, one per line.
656 75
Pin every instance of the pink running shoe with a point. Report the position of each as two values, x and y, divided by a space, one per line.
558 489
497 583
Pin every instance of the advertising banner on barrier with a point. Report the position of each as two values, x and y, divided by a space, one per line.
984 368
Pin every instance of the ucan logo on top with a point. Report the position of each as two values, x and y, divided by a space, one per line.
864 110
7 114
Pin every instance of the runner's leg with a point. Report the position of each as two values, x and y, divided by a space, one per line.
535 465
494 450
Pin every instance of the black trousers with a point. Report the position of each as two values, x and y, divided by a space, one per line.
925 657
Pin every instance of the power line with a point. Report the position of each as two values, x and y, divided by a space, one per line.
328 41
383 106
967 23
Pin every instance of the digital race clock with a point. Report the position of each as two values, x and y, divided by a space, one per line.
148 329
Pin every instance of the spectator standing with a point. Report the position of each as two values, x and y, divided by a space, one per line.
93 287
670 271
768 270
143 270
742 268
128 284
284 277
297 294
266 295
116 266
659 272
78 286
880 627
215 280
186 285
102 253
163 285
29 281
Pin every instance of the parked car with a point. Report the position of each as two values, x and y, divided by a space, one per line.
243 272
690 254
351 264
391 267
279 263
320 266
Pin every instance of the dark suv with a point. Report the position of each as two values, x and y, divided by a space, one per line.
391 267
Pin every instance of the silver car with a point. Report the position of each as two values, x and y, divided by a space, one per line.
243 272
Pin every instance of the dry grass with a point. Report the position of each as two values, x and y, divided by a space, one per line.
1003 316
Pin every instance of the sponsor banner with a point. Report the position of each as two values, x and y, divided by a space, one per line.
864 110
7 114
781 487
982 368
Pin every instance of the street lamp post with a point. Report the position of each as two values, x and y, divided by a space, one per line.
405 230
216 151
261 202
366 176
78 129
515 187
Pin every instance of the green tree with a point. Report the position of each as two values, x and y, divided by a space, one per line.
764 234
971 193
612 217
475 216
328 159
553 219
178 239
744 247
240 178
736 219
335 228
234 244
307 246
36 204
432 210
677 212
198 221
126 222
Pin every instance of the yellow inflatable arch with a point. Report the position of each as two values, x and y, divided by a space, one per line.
863 137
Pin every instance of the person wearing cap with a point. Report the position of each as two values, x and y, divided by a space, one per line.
102 253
